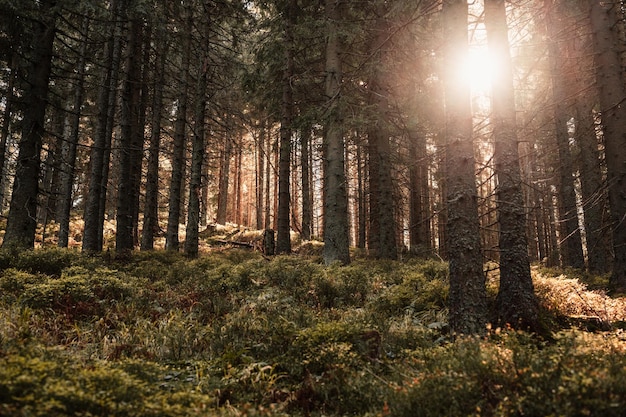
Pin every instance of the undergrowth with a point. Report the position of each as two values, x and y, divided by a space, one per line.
234 333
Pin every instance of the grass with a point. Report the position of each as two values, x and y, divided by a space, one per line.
233 333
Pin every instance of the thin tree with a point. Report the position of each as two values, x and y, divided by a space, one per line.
382 227
468 306
70 143
336 239
178 154
129 121
198 150
151 204
283 238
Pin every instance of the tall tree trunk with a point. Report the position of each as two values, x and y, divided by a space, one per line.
222 195
21 223
268 154
137 146
70 145
178 155
283 238
197 157
516 301
610 80
151 204
336 239
361 199
100 151
307 203
260 178
129 120
592 189
419 202
468 306
571 243
7 120
382 237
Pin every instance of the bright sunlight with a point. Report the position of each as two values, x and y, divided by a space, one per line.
480 69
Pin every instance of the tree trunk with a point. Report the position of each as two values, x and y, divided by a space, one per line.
283 235
100 151
610 80
468 306
593 190
197 157
571 243
21 223
151 204
336 243
516 301
222 196
260 178
307 203
70 145
129 118
361 199
419 201
137 146
7 120
178 155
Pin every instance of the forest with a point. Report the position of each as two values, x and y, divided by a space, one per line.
296 207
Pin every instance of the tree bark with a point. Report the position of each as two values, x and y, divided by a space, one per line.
222 196
178 155
307 203
129 118
593 190
516 301
468 306
612 89
283 235
336 239
151 204
100 151
197 159
68 159
21 223
571 243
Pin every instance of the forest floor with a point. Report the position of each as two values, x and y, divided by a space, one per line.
236 333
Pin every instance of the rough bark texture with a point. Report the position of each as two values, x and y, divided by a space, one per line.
197 159
222 195
468 307
307 201
130 101
21 223
178 155
151 204
100 151
610 80
336 239
593 190
283 236
70 144
382 237
516 301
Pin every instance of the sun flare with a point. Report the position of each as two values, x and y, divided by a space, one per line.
480 69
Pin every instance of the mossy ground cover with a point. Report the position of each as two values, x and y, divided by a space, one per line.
234 333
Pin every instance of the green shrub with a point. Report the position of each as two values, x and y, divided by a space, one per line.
50 261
